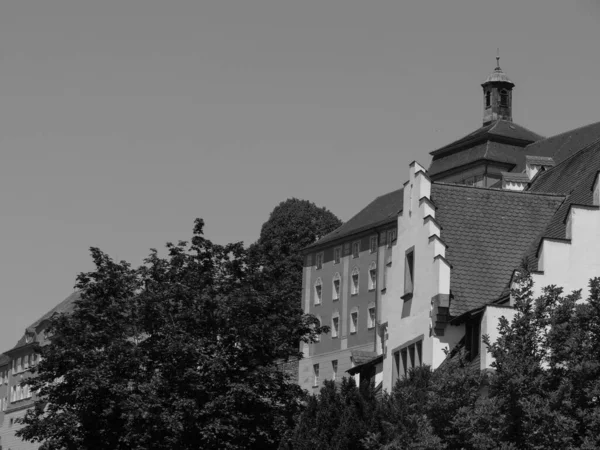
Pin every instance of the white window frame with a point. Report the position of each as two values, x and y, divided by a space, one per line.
354 323
335 331
371 318
318 292
355 288
336 293
372 279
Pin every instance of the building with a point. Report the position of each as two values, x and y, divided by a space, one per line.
15 365
490 202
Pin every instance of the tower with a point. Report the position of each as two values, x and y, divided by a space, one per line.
497 96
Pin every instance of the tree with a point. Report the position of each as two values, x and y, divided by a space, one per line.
178 353
545 389
293 225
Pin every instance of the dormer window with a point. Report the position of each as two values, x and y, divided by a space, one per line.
488 99
504 98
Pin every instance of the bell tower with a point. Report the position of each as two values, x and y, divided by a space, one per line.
497 96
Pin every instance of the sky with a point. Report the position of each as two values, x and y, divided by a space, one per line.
121 121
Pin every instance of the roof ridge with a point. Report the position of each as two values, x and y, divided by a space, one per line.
587 147
525 128
568 131
464 186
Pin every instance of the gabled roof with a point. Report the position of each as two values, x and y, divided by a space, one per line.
563 145
487 232
574 177
66 306
382 210
499 130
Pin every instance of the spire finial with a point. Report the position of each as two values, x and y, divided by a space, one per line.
498 58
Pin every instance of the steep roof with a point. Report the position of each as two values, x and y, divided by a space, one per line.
487 232
563 145
498 130
66 306
382 210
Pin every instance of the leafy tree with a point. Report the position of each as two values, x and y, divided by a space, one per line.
178 353
545 390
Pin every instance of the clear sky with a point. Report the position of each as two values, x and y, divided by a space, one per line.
123 120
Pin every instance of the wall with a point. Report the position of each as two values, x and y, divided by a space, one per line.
489 326
410 320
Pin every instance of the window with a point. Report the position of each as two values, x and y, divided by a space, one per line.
372 276
409 272
371 317
318 336
334 367
408 357
316 375
373 244
318 291
391 237
26 362
335 326
337 255
353 322
504 98
355 249
355 281
319 260
337 282
19 367
488 99
472 339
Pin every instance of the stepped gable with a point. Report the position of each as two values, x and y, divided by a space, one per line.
501 141
487 231
382 210
563 145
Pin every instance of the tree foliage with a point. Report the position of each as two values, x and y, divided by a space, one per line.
178 353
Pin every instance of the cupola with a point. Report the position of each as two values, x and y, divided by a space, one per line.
497 96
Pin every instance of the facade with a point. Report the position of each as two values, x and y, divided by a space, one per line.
15 366
500 200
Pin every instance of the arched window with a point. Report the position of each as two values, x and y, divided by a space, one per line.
372 275
335 324
503 97
318 291
354 320
355 281
336 286
488 99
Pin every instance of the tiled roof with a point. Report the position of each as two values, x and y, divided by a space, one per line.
563 145
65 306
487 232
382 210
515 177
540 160
574 177
360 357
499 129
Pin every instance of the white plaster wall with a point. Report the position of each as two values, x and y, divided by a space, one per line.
489 326
571 265
428 281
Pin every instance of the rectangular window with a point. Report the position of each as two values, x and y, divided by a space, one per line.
335 326
353 322
407 358
355 249
409 272
373 244
319 261
318 293
334 367
316 375
26 362
391 237
19 365
337 255
372 317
